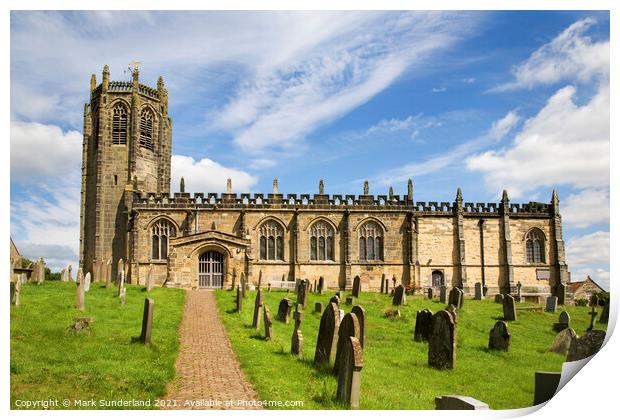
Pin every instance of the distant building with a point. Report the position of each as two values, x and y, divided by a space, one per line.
584 289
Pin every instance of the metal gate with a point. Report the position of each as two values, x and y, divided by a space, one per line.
210 270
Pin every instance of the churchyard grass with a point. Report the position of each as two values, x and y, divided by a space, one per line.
395 372
50 362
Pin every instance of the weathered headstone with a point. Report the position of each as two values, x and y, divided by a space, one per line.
519 297
423 321
121 281
335 299
355 290
399 296
108 274
454 312
120 266
350 373
552 304
442 341
15 290
79 277
429 293
593 313
123 295
64 277
349 327
459 402
341 311
258 304
563 322
243 285
499 298
302 292
499 337
79 297
239 299
38 273
321 285
87 281
339 294
562 341
267 320
349 301
328 335
392 313
382 282
605 313
284 310
233 283
147 321
585 346
297 341
478 295
150 278
361 319
443 296
69 273
545 386
510 310
456 297
318 307
560 292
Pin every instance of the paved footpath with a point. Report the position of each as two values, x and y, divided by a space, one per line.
206 368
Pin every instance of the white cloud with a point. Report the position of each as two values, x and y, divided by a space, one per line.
469 80
262 163
502 127
206 175
439 89
40 151
569 55
586 208
394 125
563 144
589 249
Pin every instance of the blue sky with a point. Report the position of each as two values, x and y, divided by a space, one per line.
478 100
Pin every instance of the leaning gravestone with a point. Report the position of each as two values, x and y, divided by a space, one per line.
321 285
120 266
552 304
443 290
284 310
327 339
121 281
563 322
87 282
349 327
429 293
545 386
147 321
456 297
267 319
297 341
499 337
499 298
361 319
350 373
459 402
15 290
587 345
318 307
561 293
382 282
302 292
423 321
442 341
399 296
562 341
478 295
239 299
355 290
510 311
258 304
243 285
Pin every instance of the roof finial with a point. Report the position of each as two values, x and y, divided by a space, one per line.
160 83
229 185
321 187
93 82
182 186
554 198
275 185
366 187
410 189
505 197
459 195
391 192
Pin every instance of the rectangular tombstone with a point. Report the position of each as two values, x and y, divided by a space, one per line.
382 282
239 299
123 295
545 386
456 297
147 321
284 310
510 310
561 293
267 321
442 341
499 298
459 402
552 304
478 295
79 297
423 321
321 285
399 296
355 291
15 286
258 304
443 294
350 373
429 293
318 307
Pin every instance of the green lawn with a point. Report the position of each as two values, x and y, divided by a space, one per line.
395 373
50 362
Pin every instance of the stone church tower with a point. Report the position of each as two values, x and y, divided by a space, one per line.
127 147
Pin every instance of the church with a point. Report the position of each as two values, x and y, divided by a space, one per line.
209 240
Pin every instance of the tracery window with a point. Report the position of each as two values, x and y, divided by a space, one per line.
119 124
271 241
146 129
161 232
535 246
371 242
322 241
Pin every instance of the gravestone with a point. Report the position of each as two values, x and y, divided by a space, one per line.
349 301
442 341
361 319
423 321
560 292
321 285
318 307
392 313
79 277
341 311
454 312
242 283
121 281
585 346
499 298
429 293
593 313
147 321
79 297
399 296
150 278
350 373
335 299
297 341
443 290
314 287
545 386
123 295
239 299
478 295
302 292
258 304
552 304
267 320
456 297
64 275
327 339
563 322
87 282
349 327
39 271
605 313
518 298
510 311
108 274
499 337
120 266
355 290
15 290
339 294
382 282
284 310
562 341
234 279
69 273
459 402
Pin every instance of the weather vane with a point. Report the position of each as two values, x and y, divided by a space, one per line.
133 67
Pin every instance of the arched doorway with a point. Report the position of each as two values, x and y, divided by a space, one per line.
211 270
437 278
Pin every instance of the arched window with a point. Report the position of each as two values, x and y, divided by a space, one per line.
161 232
322 241
535 246
146 129
371 242
271 241
119 124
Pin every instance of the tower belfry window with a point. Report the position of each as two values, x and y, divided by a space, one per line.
119 125
146 129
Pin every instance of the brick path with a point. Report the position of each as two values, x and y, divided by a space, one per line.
206 368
